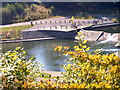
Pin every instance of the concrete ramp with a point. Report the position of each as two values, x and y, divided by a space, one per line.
92 35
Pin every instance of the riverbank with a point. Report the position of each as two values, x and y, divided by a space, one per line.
64 32
38 35
27 40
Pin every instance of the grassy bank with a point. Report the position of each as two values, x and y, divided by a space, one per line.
13 33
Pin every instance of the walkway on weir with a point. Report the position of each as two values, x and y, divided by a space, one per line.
65 24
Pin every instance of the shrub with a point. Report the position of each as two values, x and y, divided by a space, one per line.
16 69
88 70
115 20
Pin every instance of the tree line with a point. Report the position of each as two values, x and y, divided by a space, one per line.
19 12
85 7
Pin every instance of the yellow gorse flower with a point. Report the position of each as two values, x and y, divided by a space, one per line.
92 70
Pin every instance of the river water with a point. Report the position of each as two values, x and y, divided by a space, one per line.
45 54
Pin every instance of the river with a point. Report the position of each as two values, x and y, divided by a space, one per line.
45 54
52 60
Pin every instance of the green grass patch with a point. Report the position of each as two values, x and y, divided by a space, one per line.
18 28
13 33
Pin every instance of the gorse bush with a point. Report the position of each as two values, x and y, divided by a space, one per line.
90 70
16 69
84 70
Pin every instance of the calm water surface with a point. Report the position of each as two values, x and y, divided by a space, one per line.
45 54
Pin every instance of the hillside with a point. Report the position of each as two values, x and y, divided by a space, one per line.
20 12
27 11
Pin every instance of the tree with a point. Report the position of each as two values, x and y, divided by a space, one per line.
6 13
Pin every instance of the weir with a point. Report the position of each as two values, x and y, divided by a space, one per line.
64 28
67 32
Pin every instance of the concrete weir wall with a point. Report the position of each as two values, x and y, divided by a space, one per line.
92 35
100 36
89 35
48 33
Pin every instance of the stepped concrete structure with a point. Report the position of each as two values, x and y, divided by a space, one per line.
65 28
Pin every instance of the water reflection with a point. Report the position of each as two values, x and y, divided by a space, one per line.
10 46
45 54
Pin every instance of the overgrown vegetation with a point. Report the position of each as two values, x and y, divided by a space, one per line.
17 69
76 8
13 33
85 17
19 12
84 70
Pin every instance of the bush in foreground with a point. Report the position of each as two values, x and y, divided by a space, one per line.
90 70
85 70
17 70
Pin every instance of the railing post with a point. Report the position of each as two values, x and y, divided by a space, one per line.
61 27
55 27
66 27
88 22
60 21
64 21
31 23
50 27
69 21
83 22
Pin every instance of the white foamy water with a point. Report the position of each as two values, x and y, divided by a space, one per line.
111 50
109 38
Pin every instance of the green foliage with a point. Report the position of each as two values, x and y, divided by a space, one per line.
17 69
18 28
34 12
6 13
74 8
85 17
88 70
19 12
